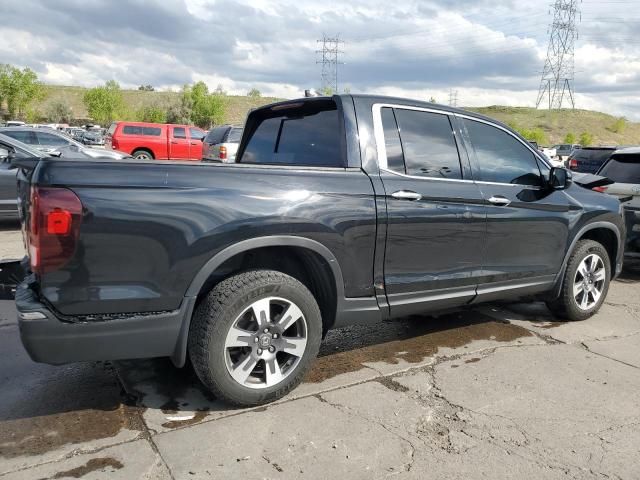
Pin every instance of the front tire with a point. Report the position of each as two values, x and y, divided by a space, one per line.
254 336
585 283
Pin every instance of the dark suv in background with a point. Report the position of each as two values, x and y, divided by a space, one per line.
589 159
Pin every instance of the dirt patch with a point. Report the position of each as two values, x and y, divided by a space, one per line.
93 465
416 339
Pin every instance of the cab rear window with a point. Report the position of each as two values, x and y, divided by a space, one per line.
303 134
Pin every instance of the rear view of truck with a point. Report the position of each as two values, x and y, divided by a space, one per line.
134 259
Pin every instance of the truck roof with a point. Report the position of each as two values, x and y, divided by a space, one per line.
385 99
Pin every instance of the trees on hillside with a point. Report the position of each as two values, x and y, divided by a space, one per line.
19 88
105 104
59 112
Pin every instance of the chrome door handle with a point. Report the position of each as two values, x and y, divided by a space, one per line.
500 200
406 195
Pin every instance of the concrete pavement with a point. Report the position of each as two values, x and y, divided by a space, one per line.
501 391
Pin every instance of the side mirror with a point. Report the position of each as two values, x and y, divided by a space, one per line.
4 154
559 178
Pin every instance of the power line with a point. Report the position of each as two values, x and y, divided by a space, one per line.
558 73
329 59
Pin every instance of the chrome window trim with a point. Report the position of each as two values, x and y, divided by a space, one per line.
378 133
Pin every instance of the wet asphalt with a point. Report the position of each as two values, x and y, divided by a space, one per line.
51 414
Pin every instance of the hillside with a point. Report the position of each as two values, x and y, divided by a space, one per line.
556 124
237 108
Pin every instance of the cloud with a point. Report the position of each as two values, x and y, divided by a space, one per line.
490 51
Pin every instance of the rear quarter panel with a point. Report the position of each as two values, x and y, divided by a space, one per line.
148 228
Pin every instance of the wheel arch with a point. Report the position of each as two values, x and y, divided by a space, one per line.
206 278
605 233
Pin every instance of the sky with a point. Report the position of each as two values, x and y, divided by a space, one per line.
491 52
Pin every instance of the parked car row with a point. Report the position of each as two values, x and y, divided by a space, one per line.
156 141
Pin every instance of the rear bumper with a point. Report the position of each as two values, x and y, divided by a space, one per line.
48 339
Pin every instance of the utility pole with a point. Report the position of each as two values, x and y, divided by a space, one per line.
329 58
453 98
556 85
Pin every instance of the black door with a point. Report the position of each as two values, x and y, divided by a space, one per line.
435 216
527 223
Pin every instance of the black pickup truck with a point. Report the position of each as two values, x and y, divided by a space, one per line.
339 210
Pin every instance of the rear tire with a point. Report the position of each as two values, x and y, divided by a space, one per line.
585 283
254 336
142 155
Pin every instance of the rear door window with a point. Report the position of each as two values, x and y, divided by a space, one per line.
428 144
501 157
179 132
393 147
307 135
623 169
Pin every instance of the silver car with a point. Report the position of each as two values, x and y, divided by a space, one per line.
49 141
623 168
221 144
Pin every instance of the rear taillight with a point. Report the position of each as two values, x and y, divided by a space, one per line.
573 163
55 217
114 144
223 153
600 189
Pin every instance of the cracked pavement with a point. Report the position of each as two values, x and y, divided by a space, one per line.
500 391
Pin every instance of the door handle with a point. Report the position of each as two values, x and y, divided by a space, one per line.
174 141
406 195
500 200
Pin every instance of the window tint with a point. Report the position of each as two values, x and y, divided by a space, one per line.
49 139
234 135
196 134
23 136
501 157
216 135
309 135
139 130
625 169
179 132
428 143
395 160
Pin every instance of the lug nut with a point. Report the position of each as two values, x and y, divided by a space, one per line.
259 351
266 330
255 340
275 335
272 349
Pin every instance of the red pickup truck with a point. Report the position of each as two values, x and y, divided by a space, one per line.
157 141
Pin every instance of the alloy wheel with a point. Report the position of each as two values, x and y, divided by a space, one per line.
265 343
589 280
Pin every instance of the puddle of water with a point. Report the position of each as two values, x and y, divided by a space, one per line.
93 465
412 340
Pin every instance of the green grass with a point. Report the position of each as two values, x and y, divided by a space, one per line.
237 107
555 124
